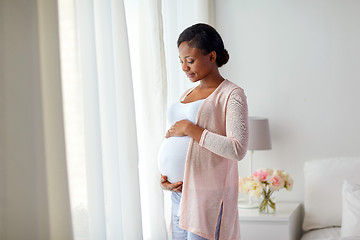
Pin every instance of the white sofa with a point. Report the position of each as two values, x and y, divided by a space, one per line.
332 199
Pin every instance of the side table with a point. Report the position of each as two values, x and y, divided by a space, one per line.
285 224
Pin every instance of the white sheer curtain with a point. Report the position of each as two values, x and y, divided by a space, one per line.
155 27
100 120
150 88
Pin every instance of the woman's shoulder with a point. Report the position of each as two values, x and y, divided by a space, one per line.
236 93
233 88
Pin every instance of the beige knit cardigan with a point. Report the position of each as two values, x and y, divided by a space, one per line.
211 170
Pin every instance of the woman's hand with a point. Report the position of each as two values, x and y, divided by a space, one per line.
179 129
185 128
173 187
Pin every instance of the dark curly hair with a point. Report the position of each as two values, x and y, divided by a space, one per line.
207 39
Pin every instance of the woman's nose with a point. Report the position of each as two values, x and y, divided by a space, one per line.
185 67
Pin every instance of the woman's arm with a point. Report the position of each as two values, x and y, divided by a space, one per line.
234 144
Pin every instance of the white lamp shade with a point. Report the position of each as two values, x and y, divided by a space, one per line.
259 134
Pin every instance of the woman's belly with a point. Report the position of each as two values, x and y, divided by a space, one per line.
172 157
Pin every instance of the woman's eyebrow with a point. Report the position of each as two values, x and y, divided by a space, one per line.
185 57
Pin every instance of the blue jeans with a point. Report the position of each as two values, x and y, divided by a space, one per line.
181 234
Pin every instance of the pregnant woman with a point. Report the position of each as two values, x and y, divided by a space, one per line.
198 159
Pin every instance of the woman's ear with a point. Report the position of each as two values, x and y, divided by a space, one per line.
212 56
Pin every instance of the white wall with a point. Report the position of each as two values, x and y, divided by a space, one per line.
2 127
298 62
20 109
34 198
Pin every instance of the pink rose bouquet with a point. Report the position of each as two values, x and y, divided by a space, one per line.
263 183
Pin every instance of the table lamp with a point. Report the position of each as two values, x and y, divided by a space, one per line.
259 139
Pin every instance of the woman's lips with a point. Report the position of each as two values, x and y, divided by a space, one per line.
190 75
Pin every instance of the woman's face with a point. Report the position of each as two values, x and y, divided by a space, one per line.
195 64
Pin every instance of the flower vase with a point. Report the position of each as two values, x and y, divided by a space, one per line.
267 204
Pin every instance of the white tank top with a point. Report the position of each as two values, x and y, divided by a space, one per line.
173 150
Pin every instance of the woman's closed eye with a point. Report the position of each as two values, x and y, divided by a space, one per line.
189 62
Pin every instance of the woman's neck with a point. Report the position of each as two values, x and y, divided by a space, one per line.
211 81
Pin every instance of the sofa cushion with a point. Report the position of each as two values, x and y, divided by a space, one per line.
323 190
350 210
